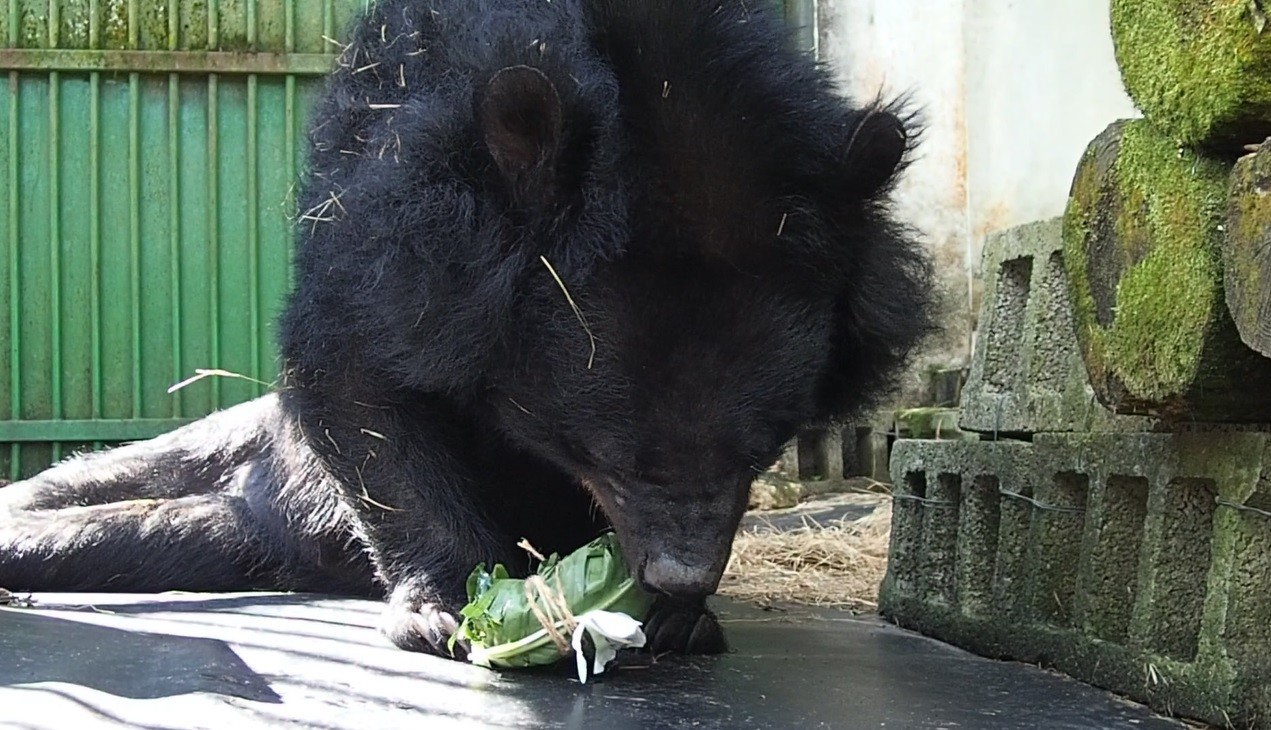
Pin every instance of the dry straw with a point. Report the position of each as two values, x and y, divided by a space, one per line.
837 563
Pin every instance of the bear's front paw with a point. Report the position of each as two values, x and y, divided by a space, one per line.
417 621
683 628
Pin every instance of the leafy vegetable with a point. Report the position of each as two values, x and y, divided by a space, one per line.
502 628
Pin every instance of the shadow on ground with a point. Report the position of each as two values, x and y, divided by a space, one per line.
41 648
195 661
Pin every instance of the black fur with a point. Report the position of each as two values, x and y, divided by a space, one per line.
561 264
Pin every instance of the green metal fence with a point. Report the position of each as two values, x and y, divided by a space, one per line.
149 151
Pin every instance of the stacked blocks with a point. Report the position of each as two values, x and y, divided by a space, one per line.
1138 562
1125 537
1129 557
1027 374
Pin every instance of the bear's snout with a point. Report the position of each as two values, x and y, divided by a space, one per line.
673 577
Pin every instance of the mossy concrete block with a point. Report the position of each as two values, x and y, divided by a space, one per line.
1246 249
927 514
1199 69
928 423
1141 251
1026 373
1136 562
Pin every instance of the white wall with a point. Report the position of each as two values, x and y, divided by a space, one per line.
1011 92
1041 83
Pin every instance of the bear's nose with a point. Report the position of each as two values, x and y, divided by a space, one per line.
674 577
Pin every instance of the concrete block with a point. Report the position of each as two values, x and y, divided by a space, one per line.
873 455
821 453
1027 375
826 456
1136 562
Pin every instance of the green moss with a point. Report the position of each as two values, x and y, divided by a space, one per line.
1167 303
1157 341
1078 228
1200 69
1166 206
929 422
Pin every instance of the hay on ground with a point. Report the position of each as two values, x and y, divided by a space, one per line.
838 563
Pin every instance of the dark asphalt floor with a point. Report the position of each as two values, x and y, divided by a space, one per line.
182 661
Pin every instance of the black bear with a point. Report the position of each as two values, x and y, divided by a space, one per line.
563 265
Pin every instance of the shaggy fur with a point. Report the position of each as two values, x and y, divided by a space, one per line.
562 265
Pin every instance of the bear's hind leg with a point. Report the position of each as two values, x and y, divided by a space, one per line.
196 543
195 459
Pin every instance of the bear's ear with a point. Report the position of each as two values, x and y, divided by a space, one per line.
519 113
874 151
